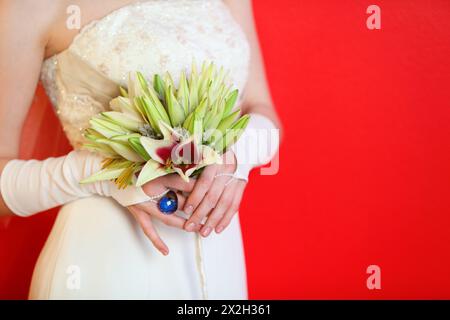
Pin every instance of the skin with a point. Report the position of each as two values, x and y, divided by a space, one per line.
33 30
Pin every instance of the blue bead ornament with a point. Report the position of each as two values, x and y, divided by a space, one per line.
168 203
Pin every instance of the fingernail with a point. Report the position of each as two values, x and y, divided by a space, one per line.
189 209
206 232
164 252
190 226
219 229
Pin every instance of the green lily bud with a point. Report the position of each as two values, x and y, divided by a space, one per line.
141 87
106 127
152 96
123 92
216 93
103 175
92 135
125 137
193 88
176 112
124 150
143 83
216 84
205 79
101 148
159 86
136 145
200 111
168 81
143 109
215 116
230 101
152 113
198 130
158 105
122 120
233 134
182 93
124 105
188 123
228 121
241 124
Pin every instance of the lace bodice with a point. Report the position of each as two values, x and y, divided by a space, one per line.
154 36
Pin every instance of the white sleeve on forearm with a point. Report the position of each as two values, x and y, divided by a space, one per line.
257 145
32 186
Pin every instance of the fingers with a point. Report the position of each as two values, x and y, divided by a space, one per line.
239 187
209 202
170 181
175 182
202 185
219 211
147 226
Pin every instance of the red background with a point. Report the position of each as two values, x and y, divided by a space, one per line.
365 161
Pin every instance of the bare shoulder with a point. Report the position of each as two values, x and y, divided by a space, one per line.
31 19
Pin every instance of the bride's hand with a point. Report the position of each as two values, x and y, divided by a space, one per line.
215 195
145 211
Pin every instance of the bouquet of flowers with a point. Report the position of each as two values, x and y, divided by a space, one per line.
159 128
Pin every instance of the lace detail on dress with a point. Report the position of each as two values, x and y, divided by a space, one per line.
155 36
75 111
48 73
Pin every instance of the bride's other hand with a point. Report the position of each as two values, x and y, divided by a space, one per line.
144 212
216 195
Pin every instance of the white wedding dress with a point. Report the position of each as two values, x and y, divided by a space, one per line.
96 250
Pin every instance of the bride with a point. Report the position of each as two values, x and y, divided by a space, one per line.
98 246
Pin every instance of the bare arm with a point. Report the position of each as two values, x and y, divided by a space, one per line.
257 96
23 30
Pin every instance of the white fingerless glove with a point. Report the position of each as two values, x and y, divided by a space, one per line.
32 186
256 146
